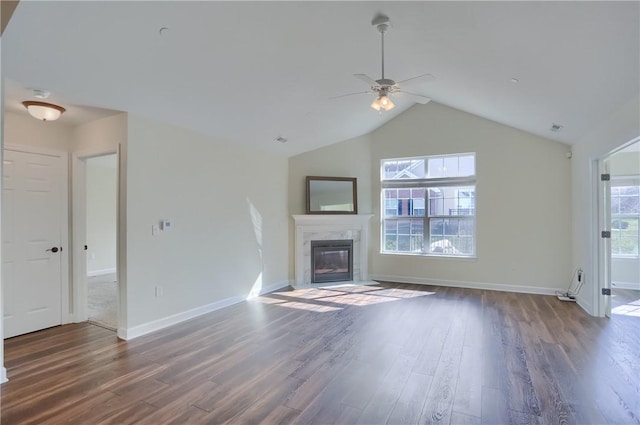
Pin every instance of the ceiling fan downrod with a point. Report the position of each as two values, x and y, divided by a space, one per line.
382 23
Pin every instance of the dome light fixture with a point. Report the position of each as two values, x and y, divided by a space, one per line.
43 111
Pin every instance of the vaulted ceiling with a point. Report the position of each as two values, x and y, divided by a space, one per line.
250 72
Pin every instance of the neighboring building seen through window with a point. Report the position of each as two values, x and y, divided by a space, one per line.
625 216
428 205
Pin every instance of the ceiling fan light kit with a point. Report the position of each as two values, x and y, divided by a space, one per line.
43 111
383 103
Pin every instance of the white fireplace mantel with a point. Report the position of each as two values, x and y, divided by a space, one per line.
331 227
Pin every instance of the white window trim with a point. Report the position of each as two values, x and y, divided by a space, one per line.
622 181
426 183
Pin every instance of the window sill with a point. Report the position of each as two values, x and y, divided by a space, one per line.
625 257
438 256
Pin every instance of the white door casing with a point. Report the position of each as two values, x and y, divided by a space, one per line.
604 245
79 199
35 278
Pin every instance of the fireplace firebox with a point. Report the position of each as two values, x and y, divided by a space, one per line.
331 261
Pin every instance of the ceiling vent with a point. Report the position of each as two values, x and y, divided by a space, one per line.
556 127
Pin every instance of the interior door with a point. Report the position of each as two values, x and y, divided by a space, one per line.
31 233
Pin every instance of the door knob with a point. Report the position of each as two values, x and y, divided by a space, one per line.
54 249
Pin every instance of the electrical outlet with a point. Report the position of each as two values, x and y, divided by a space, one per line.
159 291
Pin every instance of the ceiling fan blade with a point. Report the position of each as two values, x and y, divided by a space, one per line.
424 77
366 79
351 94
416 97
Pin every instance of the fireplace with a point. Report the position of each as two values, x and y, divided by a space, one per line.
328 227
331 261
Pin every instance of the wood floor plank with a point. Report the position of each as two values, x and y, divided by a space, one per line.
383 401
468 395
553 404
409 405
388 353
462 419
495 408
439 403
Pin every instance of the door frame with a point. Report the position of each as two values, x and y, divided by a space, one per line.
66 313
602 219
604 244
79 208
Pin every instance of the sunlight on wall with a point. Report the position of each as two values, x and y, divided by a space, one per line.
256 219
256 288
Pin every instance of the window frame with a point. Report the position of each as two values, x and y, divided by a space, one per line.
427 183
623 181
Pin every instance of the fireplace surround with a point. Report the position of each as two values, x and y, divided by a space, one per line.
310 228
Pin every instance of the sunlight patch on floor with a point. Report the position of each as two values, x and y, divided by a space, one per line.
630 309
337 297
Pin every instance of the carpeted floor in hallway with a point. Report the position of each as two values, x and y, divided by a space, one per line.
102 300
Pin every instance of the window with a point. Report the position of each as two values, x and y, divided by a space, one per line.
625 216
428 205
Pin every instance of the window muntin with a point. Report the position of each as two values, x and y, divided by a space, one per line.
429 205
625 217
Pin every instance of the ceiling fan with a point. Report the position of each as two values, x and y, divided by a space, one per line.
385 86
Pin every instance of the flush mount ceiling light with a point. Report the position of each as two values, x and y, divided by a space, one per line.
43 111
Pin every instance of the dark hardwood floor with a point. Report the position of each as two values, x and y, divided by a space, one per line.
391 353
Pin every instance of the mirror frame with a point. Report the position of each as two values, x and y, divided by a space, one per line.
354 186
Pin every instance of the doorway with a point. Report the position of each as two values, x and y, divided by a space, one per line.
101 175
624 169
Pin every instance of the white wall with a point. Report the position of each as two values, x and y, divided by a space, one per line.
622 126
523 205
228 207
100 136
102 179
523 201
23 129
351 158
625 163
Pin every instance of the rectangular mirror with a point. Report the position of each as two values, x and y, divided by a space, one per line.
332 195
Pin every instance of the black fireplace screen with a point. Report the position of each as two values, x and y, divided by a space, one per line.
331 261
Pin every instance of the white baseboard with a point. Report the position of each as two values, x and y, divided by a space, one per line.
471 285
92 273
3 375
626 285
586 307
275 287
156 325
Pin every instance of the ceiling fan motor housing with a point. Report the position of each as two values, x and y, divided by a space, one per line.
385 82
